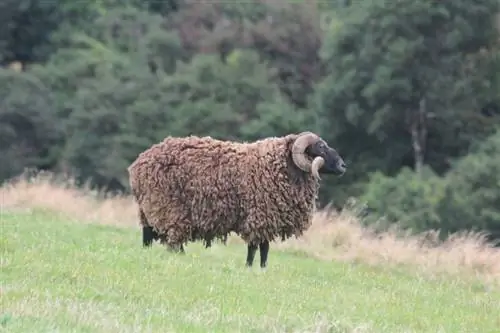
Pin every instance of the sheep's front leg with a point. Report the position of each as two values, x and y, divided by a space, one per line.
251 250
264 251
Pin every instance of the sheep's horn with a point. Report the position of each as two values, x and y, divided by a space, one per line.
316 164
298 150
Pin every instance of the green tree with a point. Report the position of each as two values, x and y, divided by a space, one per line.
26 29
402 80
29 131
33 29
285 34
116 107
232 100
120 56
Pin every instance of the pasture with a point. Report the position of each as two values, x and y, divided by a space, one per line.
73 262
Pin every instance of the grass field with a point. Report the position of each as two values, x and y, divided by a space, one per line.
73 263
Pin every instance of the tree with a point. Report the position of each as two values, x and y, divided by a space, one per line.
285 34
116 107
33 29
401 80
232 100
29 130
26 29
95 78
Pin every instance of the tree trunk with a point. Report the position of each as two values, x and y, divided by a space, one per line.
418 128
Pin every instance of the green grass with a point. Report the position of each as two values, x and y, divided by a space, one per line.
61 276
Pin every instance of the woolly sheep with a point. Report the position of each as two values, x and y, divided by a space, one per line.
201 188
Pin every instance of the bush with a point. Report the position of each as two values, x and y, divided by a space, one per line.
409 199
467 198
472 195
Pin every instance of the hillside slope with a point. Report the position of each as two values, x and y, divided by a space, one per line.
63 276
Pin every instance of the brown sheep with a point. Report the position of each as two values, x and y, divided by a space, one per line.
201 188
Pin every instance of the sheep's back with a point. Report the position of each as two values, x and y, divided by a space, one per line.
193 180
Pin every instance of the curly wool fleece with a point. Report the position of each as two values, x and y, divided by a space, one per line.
196 188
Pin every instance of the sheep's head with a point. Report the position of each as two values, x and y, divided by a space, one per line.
312 154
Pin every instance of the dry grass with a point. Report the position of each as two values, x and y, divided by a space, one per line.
333 236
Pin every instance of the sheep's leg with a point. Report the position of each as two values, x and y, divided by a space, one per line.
264 251
251 250
175 248
173 240
148 235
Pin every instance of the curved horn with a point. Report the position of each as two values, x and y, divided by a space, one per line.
316 164
298 150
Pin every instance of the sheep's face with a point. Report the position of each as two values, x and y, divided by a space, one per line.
334 164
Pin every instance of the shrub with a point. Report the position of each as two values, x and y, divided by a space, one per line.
409 199
472 195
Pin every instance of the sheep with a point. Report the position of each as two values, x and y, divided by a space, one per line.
201 188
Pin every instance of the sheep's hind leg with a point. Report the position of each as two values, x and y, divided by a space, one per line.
148 236
264 251
148 233
251 250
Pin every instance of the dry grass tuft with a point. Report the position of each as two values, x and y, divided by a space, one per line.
340 236
59 193
333 236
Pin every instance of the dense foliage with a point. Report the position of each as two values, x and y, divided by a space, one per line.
408 91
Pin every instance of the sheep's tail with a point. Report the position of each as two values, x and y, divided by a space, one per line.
142 219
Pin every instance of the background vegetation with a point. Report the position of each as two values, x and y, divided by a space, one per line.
408 91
